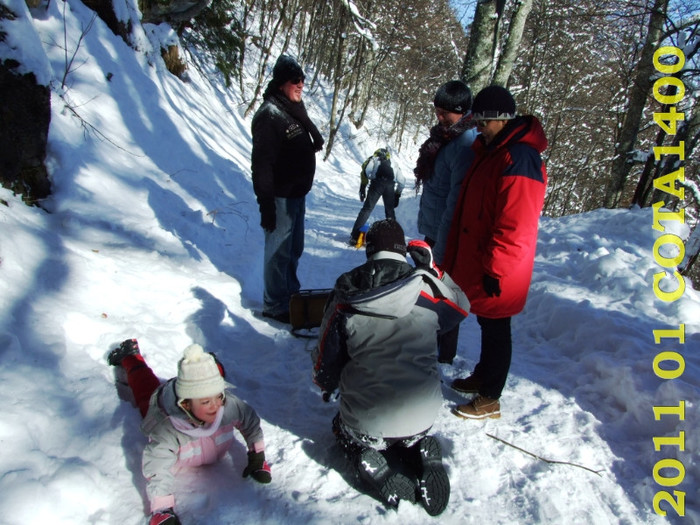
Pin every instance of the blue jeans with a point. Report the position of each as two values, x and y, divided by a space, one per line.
377 188
283 248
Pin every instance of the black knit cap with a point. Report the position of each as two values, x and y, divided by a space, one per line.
493 103
386 235
286 68
454 96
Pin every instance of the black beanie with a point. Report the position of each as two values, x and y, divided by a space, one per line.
454 96
493 103
386 235
286 68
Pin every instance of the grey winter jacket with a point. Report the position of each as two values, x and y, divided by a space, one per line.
378 345
441 190
174 441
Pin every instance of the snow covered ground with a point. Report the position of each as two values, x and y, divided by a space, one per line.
153 233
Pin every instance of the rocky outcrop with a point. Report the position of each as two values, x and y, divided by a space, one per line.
25 110
170 11
105 10
25 114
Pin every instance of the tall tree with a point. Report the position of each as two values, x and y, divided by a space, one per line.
478 61
494 42
687 38
511 47
637 100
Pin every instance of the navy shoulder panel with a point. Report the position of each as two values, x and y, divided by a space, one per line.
525 162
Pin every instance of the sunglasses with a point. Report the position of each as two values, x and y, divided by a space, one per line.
298 80
481 123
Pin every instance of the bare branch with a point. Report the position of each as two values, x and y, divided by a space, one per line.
554 461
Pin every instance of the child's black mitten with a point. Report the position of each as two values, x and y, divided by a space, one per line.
257 467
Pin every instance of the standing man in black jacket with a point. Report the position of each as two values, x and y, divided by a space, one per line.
285 142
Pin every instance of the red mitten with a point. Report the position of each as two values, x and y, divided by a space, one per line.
164 517
422 256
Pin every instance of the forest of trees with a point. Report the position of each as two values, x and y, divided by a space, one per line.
591 71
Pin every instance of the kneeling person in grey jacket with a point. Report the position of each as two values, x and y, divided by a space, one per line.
378 348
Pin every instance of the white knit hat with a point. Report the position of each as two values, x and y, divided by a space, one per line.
197 375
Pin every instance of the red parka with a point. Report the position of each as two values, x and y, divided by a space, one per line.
494 227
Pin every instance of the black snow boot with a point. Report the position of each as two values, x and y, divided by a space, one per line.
391 486
128 347
434 483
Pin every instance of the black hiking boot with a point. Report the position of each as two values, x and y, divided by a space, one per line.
128 347
391 486
434 483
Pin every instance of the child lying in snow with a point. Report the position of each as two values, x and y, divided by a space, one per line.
189 421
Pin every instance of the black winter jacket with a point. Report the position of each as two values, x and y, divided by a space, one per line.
283 158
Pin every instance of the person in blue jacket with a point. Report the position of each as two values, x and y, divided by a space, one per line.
443 160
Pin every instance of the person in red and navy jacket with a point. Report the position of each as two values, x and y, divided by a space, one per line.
491 246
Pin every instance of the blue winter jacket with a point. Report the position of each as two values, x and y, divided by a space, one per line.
441 190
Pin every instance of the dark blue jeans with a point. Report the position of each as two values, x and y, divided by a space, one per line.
283 248
377 188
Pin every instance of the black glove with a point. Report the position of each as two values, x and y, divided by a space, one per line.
491 286
397 196
257 467
268 217
363 193
422 256
164 517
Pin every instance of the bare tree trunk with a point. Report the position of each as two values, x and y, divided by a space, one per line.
289 16
359 76
643 190
687 131
476 71
692 253
638 95
367 88
268 39
335 126
338 78
247 8
401 124
689 134
510 52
